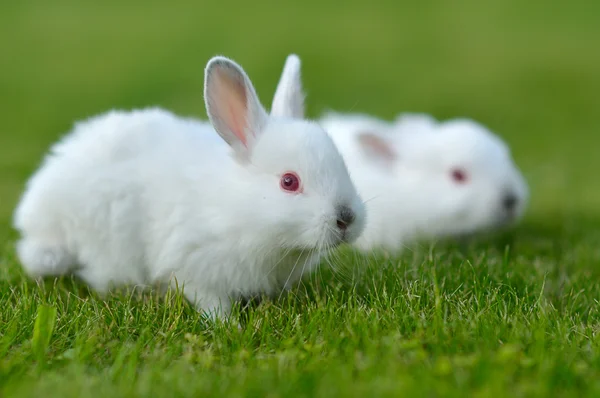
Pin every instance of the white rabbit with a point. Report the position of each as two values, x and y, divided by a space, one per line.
140 197
423 179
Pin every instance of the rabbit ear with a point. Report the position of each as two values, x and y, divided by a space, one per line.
289 97
376 148
232 104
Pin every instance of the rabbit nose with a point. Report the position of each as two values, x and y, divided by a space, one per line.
345 217
509 202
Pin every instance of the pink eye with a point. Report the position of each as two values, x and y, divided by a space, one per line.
459 176
290 182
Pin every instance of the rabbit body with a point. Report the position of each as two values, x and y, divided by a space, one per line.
146 197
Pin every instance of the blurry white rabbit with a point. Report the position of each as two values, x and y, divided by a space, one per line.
422 179
145 197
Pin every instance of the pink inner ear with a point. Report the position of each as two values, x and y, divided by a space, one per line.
232 99
377 145
237 126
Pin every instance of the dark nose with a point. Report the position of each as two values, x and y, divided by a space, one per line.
509 202
345 217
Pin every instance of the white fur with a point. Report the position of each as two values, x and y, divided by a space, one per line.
146 197
289 96
413 196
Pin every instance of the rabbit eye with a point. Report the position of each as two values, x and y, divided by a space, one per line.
290 182
459 176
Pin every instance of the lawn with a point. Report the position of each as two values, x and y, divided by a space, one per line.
510 314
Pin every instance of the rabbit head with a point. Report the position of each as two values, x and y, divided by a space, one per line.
305 198
453 178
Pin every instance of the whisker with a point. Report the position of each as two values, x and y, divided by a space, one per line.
290 274
371 198
285 254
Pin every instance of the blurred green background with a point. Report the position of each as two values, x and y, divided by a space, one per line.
528 70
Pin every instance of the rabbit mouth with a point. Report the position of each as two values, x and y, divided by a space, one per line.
338 238
341 229
506 218
510 216
333 239
334 242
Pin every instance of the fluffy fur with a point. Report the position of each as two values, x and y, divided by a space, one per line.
146 197
405 172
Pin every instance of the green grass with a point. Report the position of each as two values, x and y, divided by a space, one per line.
515 314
